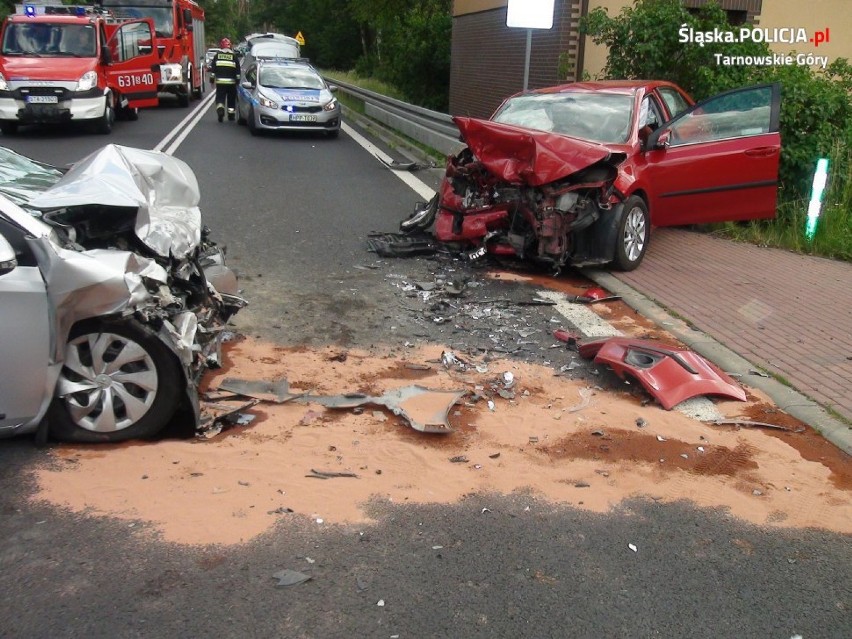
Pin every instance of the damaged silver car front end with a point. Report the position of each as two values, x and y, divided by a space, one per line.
126 264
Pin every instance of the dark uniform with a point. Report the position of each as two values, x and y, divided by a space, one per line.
226 69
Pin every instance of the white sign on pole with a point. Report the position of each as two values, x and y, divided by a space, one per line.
530 14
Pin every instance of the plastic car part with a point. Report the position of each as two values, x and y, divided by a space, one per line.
425 410
671 375
276 392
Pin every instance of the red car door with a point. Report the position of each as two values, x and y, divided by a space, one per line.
717 161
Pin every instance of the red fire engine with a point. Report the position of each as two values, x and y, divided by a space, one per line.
63 64
180 35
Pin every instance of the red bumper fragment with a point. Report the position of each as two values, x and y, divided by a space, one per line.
670 374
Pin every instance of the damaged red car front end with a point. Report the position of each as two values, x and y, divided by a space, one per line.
531 194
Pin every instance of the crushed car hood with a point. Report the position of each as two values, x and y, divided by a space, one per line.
525 156
162 189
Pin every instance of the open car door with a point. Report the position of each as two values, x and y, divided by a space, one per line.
133 67
717 161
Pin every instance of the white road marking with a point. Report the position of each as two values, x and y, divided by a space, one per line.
185 126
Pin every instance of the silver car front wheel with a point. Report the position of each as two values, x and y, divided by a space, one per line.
118 382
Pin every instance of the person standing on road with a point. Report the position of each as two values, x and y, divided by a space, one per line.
226 70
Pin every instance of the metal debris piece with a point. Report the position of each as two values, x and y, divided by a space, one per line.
505 394
289 577
450 360
751 424
409 402
459 459
660 438
508 379
633 547
491 405
395 165
758 373
265 391
494 455
215 417
329 474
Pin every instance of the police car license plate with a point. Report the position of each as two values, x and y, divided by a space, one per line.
42 99
300 117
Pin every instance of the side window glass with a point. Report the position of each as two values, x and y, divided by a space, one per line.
675 102
731 115
130 41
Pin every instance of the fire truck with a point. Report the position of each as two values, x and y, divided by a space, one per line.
180 34
73 64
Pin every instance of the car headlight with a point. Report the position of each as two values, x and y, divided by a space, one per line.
88 81
266 102
171 72
3 85
331 106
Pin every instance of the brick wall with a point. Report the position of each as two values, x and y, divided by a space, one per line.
488 57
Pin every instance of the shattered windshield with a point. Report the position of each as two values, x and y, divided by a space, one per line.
22 178
49 39
595 116
290 78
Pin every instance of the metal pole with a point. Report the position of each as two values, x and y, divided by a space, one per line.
527 61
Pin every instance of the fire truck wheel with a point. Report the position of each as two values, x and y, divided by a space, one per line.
185 93
104 123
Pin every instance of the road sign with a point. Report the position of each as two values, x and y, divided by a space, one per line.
530 14
300 39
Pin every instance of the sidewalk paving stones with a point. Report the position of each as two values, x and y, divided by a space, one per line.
754 307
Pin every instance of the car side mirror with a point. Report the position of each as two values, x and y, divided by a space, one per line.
247 84
333 88
8 260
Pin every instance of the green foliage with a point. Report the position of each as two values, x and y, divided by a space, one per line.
416 56
816 110
644 42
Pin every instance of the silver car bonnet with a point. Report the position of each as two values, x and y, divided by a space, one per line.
162 188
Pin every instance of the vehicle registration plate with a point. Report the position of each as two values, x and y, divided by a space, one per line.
301 117
42 99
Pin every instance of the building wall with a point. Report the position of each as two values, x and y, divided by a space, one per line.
812 15
488 57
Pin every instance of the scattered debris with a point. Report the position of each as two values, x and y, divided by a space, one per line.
459 459
582 484
598 433
758 373
494 456
594 295
289 577
380 603
751 424
585 399
280 511
216 416
641 423
328 474
633 547
394 165
565 336
660 438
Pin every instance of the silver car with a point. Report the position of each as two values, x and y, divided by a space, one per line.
113 300
283 95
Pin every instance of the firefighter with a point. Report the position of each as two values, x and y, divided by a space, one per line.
226 69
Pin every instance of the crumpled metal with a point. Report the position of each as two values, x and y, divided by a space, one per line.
162 188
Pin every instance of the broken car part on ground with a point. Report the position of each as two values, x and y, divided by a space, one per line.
670 374
114 298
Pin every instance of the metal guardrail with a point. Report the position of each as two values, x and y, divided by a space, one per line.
434 129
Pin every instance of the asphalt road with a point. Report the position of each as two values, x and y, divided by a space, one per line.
293 212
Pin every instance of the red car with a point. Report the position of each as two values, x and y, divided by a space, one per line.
579 173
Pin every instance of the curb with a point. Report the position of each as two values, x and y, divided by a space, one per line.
786 398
